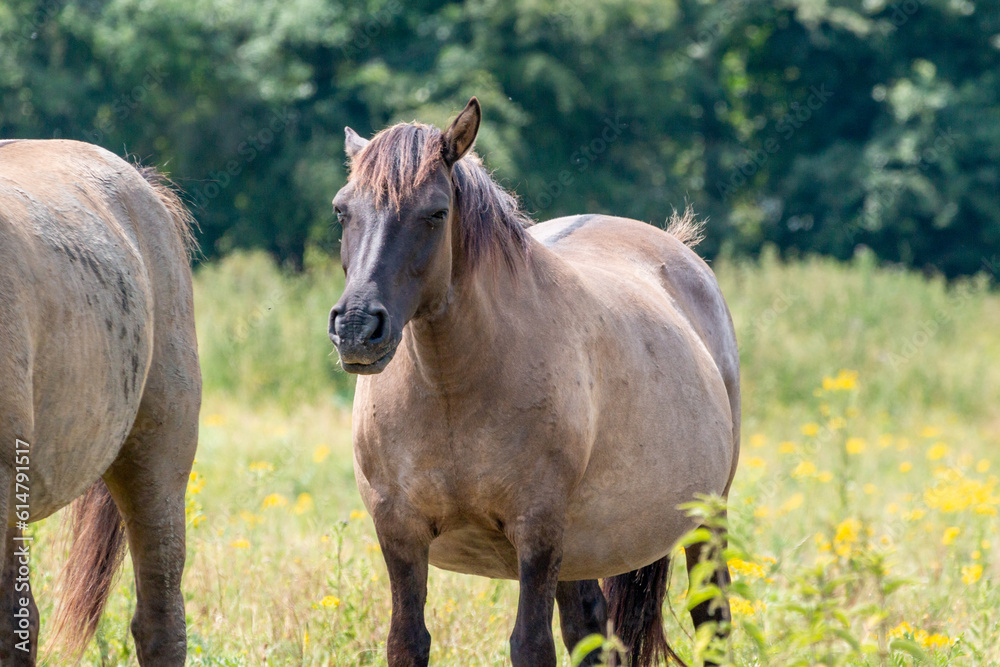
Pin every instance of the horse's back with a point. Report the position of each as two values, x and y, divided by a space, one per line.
625 250
85 242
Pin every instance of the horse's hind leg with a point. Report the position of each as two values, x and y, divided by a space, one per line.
148 481
19 625
583 611
16 439
714 610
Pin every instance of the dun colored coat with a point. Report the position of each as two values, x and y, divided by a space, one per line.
101 387
534 402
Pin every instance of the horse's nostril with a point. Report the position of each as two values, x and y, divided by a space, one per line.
332 327
381 326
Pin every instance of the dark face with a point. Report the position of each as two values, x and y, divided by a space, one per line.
397 265
397 262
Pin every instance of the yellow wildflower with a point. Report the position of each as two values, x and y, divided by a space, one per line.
787 447
240 544
758 440
855 445
261 466
746 569
274 500
215 420
357 514
956 493
938 451
792 503
330 601
905 466
196 483
810 429
804 469
846 535
740 607
934 641
824 476
756 462
950 534
846 380
320 453
870 489
303 503
930 432
971 573
982 466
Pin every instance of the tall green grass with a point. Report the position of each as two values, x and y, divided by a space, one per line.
865 512
262 331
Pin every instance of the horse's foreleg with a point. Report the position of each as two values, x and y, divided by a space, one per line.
539 555
715 610
148 482
583 611
406 557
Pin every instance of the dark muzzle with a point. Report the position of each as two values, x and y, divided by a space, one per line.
363 337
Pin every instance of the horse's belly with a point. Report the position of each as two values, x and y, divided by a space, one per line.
624 516
594 548
475 550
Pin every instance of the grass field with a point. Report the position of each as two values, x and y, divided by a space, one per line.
864 511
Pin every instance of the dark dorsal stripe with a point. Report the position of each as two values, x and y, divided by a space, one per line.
569 229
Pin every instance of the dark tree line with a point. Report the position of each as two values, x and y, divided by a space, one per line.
815 126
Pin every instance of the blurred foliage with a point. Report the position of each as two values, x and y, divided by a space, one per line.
816 125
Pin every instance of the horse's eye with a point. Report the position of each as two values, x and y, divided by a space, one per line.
341 217
438 216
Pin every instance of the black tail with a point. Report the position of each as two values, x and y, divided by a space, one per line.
635 609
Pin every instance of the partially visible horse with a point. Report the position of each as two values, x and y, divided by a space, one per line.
535 403
100 388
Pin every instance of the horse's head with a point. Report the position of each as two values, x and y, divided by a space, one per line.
398 216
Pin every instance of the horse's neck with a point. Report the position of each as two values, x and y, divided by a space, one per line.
471 338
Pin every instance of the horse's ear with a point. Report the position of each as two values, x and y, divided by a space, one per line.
458 139
353 142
